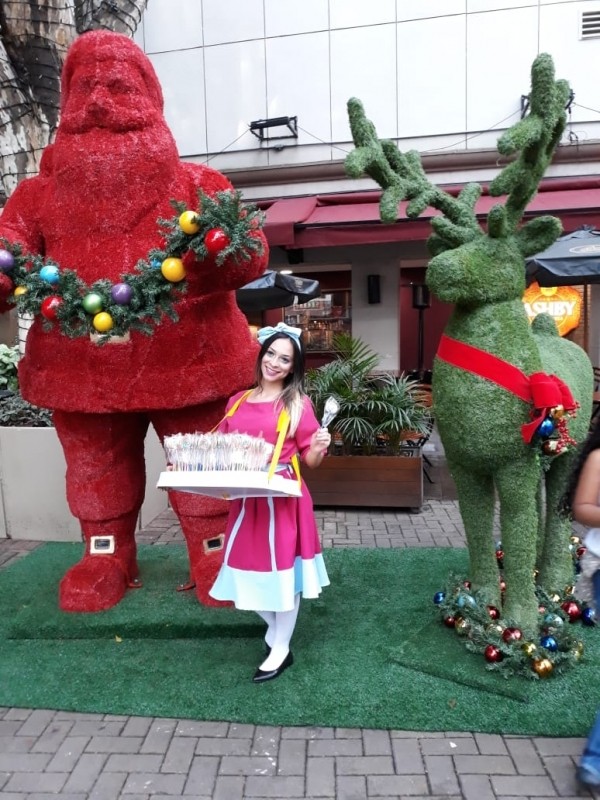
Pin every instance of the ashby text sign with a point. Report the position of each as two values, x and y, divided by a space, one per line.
562 303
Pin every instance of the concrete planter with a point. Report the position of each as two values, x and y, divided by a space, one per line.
367 481
33 504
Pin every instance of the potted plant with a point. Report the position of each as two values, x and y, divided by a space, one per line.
9 358
33 502
379 415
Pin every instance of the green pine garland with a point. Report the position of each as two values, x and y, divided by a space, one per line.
152 294
473 616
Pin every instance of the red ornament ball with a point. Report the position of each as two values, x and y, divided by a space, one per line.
216 240
493 654
50 306
512 635
449 621
493 612
572 610
467 584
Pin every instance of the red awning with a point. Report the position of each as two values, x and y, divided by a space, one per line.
353 218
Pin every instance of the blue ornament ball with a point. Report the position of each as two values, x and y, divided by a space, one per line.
553 621
465 601
550 643
50 274
439 597
546 428
156 263
588 616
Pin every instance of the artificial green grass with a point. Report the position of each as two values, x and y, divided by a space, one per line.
369 653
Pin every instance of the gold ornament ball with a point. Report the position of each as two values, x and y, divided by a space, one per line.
543 667
578 651
558 411
494 628
173 269
20 290
102 322
569 589
555 597
575 540
461 626
188 222
529 649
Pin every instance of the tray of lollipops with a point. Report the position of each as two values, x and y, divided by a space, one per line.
225 465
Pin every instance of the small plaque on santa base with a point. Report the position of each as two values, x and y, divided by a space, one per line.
229 485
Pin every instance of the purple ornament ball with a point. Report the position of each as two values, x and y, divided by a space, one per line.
121 293
7 261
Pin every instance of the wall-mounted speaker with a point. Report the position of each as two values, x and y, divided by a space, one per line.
295 256
373 289
420 296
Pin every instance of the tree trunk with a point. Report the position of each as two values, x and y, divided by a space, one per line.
34 38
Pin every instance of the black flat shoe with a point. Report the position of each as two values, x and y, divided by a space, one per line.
260 676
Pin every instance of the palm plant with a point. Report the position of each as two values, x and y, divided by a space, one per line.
375 408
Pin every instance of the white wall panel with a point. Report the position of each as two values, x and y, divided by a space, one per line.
181 76
352 13
235 93
573 58
363 65
431 78
408 9
232 20
172 25
285 18
298 83
474 6
501 47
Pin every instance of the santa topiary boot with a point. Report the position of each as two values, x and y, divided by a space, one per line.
108 568
204 537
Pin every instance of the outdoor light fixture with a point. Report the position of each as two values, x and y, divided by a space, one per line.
525 103
259 126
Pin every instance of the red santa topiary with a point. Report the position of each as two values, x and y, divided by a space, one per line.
104 183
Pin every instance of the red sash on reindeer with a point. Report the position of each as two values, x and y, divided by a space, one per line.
539 389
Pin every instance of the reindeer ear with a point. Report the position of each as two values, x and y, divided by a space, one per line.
538 234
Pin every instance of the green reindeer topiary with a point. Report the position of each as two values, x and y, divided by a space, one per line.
500 385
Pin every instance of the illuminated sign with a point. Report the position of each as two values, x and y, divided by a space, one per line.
562 303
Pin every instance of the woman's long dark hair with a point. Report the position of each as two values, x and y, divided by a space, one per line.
292 397
591 443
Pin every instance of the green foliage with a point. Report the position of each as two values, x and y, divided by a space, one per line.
9 358
153 295
15 411
375 408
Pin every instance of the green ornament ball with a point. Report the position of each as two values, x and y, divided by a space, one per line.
92 303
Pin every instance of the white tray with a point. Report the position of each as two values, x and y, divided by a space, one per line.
229 485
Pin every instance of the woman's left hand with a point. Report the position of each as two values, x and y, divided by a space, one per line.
321 439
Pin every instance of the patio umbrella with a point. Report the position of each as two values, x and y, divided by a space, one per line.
573 258
275 290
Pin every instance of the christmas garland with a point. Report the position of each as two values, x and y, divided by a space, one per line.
503 645
220 228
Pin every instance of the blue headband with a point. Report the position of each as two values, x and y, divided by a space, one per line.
265 333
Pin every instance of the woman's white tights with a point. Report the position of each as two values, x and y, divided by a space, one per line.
279 633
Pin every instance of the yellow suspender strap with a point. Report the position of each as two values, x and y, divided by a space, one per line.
233 408
283 423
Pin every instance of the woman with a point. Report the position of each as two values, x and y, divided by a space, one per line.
582 502
272 549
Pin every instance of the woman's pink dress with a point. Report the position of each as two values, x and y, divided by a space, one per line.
272 547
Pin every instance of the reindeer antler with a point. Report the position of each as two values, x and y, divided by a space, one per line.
536 137
401 176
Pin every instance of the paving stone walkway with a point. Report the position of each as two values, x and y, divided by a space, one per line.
53 754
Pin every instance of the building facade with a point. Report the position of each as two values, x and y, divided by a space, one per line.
444 77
